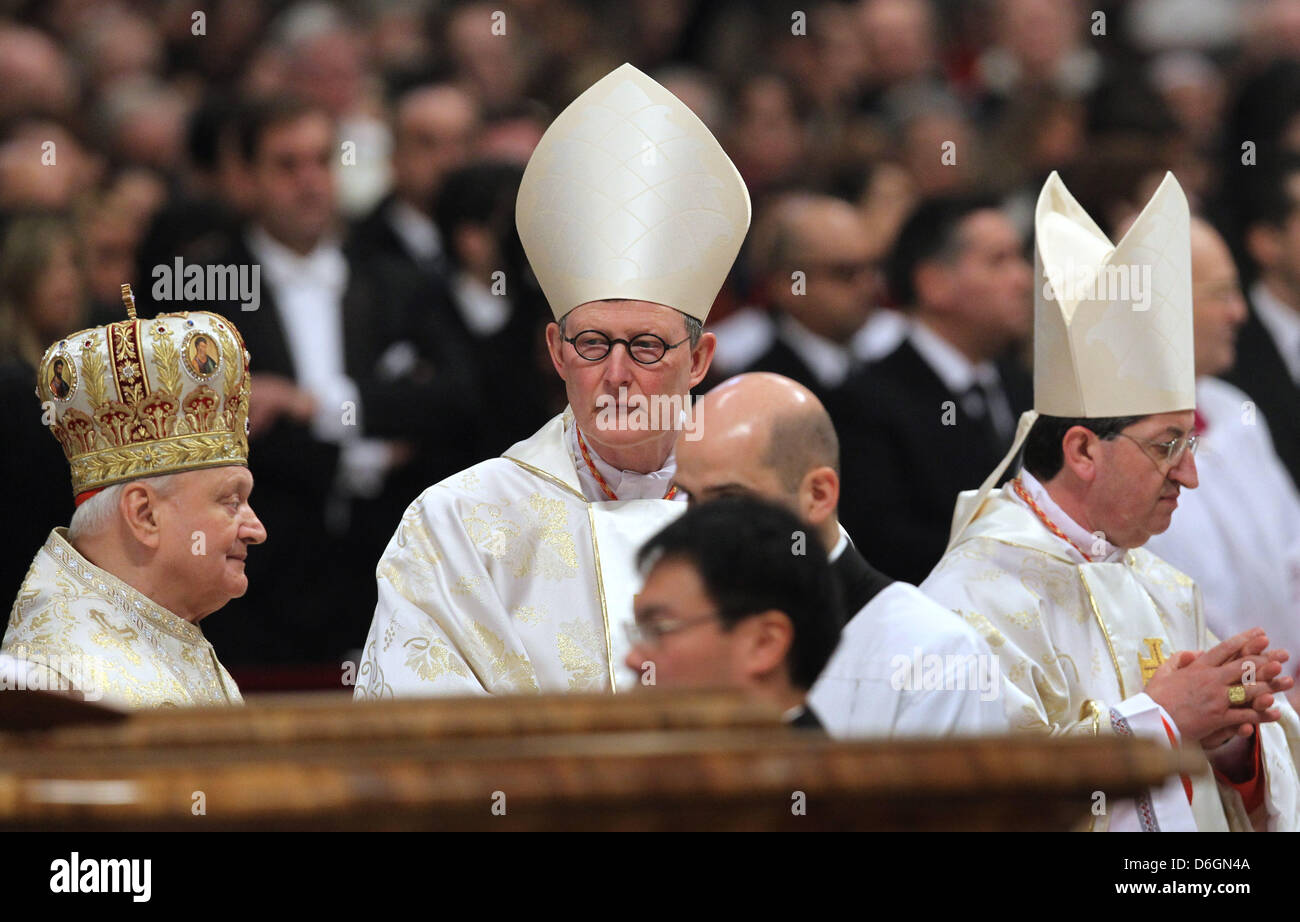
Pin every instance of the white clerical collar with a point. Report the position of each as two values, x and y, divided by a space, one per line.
325 265
1283 324
958 373
416 229
840 546
826 359
625 484
1090 542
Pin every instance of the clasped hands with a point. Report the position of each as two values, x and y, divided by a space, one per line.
1193 688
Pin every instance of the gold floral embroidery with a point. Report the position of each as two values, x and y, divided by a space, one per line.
511 670
581 653
1025 620
526 614
1047 579
992 636
543 543
430 658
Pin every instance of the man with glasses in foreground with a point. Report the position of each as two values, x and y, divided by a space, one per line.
517 574
1097 635
734 599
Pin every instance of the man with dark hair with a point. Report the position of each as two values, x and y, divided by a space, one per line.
1268 346
1095 633
932 417
765 436
735 596
359 394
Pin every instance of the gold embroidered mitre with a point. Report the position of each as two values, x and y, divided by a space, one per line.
141 398
629 196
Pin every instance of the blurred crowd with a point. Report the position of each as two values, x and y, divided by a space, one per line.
365 157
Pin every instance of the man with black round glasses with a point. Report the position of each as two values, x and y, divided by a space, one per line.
517 575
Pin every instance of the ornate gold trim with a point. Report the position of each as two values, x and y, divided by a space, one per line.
551 478
600 589
1119 676
108 466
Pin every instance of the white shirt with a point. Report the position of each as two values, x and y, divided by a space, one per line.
829 361
484 313
625 484
415 229
1282 323
308 293
883 332
959 374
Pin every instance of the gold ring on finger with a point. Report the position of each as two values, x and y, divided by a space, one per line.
1236 694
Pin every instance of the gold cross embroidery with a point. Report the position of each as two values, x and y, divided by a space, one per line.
1152 663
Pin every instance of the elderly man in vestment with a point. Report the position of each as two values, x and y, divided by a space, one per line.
1096 634
517 574
905 665
111 605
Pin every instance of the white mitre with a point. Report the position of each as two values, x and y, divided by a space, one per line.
628 195
1112 323
1117 339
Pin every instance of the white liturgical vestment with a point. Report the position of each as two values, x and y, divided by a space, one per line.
80 627
907 666
1077 643
506 578
1238 533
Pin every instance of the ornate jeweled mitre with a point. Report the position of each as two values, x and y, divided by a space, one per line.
141 398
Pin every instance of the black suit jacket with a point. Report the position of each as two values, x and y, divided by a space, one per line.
808 720
903 466
1261 372
781 359
859 581
312 589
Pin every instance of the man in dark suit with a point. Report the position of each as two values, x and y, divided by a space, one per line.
726 604
359 396
817 274
937 414
1268 345
435 127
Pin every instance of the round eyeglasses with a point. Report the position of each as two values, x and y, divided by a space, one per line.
644 348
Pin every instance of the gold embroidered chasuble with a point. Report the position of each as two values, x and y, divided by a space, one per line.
1077 642
81 627
505 579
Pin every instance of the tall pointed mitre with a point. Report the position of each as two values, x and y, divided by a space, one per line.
141 398
628 195
1112 323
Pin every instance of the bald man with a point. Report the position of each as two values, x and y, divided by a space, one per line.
1238 534
435 130
905 666
819 282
